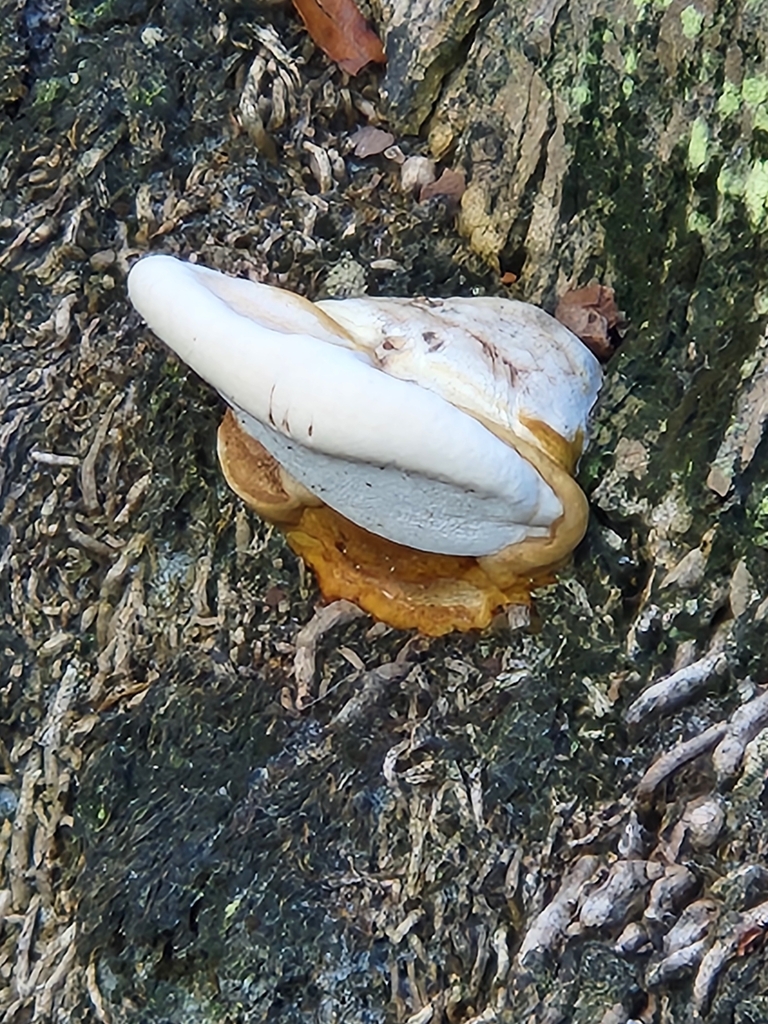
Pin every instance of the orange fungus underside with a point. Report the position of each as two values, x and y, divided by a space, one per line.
405 588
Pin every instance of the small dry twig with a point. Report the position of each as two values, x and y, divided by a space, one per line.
88 470
548 929
745 724
53 459
675 758
751 923
338 613
675 690
133 499
94 993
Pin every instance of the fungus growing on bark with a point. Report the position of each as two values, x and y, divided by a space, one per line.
417 453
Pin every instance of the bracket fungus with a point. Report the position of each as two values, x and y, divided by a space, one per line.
417 453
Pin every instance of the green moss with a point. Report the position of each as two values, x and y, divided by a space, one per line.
97 13
691 20
729 101
699 223
756 193
697 146
145 96
580 95
49 91
758 516
109 12
729 181
754 90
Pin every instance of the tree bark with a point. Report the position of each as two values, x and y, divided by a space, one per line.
482 827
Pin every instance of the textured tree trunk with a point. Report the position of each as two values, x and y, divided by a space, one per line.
212 810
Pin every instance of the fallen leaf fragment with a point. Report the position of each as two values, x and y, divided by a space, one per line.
370 141
450 184
341 32
591 313
320 165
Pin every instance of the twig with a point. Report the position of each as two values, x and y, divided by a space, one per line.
88 470
368 691
95 993
52 459
87 543
336 614
22 824
133 499
746 722
675 690
675 758
549 927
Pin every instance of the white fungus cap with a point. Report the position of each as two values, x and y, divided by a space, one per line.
358 399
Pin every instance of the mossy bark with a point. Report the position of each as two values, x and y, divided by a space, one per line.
387 849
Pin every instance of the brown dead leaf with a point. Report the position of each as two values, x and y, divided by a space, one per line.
370 141
450 184
591 313
340 30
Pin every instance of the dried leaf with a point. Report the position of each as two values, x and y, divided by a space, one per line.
450 184
591 313
340 30
320 165
370 141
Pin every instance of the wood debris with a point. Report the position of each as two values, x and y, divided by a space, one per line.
670 693
335 614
